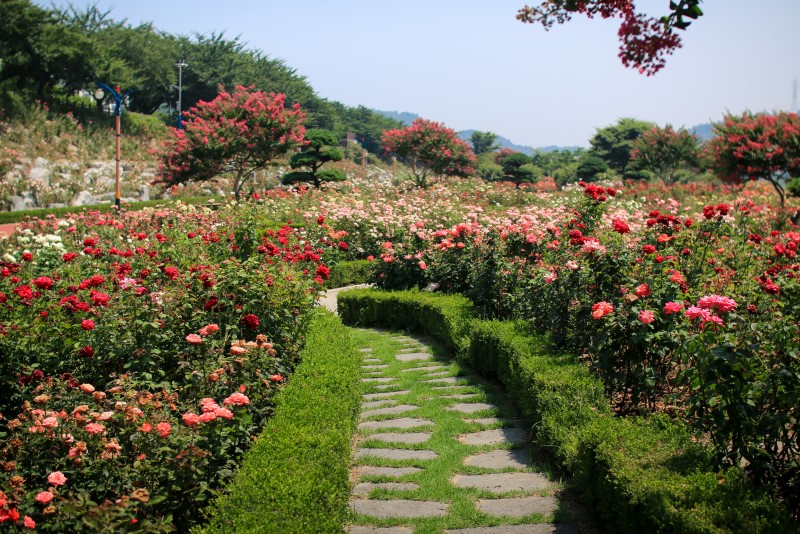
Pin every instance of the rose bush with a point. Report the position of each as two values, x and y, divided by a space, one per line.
141 354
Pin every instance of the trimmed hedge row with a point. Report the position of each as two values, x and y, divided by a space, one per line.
347 273
295 477
640 473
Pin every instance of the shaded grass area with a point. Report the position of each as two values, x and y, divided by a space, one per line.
295 477
435 478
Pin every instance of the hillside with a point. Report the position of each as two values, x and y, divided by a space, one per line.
406 117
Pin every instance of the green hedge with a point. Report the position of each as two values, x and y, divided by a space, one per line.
446 318
346 273
295 477
639 473
16 216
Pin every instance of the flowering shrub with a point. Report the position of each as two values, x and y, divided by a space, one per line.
141 355
239 132
430 148
691 313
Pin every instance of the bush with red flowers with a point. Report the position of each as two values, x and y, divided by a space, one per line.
140 357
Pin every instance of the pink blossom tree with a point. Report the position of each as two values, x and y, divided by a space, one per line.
664 151
430 149
237 133
763 146
644 41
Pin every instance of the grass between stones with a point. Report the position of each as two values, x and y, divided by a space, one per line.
435 477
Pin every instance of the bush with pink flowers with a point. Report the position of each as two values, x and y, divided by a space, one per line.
141 355
689 313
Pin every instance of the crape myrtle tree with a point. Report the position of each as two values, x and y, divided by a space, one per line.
320 148
237 133
430 149
664 151
753 146
644 41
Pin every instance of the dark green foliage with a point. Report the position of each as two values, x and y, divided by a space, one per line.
447 318
483 142
49 54
320 148
642 474
517 169
614 143
295 477
590 167
346 273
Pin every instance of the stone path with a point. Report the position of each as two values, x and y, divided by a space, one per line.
434 453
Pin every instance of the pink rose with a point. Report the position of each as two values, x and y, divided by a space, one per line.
44 497
57 478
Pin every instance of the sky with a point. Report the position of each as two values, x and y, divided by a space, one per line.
471 65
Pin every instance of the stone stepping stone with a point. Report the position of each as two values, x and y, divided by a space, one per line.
367 367
446 380
391 410
518 506
439 374
413 356
412 349
365 350
372 470
403 422
470 407
538 528
497 436
462 396
372 360
364 488
426 368
400 454
402 437
398 508
378 530
373 396
501 459
378 379
378 403
502 482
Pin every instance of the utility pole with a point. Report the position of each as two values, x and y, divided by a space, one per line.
119 98
180 64
364 164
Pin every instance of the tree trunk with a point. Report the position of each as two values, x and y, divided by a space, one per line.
238 182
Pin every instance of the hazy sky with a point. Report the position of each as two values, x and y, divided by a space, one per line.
471 64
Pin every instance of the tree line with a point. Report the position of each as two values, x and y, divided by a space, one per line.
52 55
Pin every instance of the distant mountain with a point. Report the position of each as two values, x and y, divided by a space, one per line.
407 118
702 131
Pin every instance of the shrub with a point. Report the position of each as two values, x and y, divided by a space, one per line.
639 472
295 478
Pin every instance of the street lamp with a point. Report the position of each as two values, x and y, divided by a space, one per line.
119 97
181 64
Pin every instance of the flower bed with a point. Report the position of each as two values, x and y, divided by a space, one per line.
692 312
639 473
141 354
